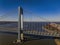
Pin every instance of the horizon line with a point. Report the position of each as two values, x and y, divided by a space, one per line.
30 21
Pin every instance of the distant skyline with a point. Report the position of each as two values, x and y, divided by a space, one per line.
33 9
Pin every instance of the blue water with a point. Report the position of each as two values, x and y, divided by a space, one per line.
27 26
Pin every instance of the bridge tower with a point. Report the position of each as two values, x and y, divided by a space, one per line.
20 24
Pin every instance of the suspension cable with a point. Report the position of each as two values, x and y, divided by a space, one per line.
6 14
28 12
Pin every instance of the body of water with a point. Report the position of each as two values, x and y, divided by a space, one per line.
27 26
7 37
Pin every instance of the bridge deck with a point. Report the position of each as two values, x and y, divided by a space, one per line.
55 34
34 32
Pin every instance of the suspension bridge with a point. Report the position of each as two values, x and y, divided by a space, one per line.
21 29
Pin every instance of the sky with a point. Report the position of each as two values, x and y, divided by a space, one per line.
33 10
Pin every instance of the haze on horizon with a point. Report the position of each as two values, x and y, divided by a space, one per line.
48 9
